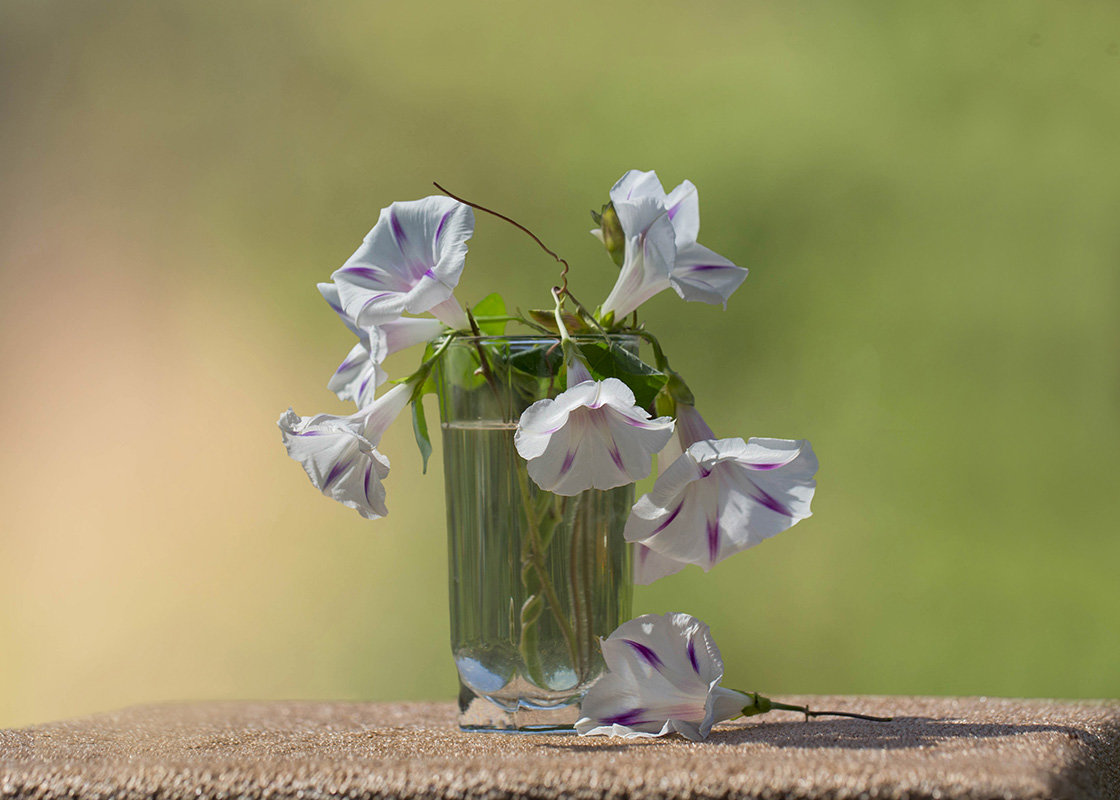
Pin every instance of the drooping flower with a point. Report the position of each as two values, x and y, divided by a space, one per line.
591 436
661 250
339 454
721 496
360 373
663 676
410 262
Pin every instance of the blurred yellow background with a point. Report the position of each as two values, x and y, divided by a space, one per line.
928 197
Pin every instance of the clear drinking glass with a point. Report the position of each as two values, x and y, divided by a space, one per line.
535 578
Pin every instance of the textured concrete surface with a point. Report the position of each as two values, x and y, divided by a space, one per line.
935 748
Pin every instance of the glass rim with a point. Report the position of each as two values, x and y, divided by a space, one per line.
538 337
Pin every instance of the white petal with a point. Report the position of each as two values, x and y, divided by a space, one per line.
545 417
765 491
410 261
400 334
723 496
683 206
329 291
590 437
635 185
691 426
649 257
338 460
663 676
385 409
702 275
650 566
451 314
357 377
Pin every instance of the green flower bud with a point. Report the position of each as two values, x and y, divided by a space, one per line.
611 230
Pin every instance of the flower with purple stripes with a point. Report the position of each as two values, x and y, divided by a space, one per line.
718 498
410 262
659 231
591 436
663 677
359 375
339 454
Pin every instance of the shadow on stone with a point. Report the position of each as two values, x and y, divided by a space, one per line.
901 732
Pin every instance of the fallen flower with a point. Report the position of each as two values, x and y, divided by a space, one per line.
663 677
664 674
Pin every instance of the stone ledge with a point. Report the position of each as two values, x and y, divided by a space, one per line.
935 748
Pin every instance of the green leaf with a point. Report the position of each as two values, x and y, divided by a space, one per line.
607 361
491 306
420 429
539 361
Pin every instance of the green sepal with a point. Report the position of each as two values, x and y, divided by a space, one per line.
605 361
491 306
420 429
759 705
664 404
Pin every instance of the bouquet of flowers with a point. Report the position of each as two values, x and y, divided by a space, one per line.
607 413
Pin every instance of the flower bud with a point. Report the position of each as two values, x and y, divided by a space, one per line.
610 232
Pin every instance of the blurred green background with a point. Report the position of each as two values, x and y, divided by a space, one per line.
928 197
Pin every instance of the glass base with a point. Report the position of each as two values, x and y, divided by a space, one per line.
479 713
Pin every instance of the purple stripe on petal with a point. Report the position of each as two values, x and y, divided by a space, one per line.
669 521
692 655
310 433
442 222
713 540
646 653
616 456
569 459
398 232
429 274
362 272
365 383
349 364
705 267
337 470
764 466
769 502
625 718
369 474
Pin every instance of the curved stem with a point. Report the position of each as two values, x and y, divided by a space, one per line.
519 226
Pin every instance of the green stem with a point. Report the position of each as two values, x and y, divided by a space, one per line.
581 583
537 560
761 705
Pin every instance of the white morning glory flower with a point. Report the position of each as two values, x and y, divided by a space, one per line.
721 496
409 262
339 454
661 251
360 373
592 436
663 676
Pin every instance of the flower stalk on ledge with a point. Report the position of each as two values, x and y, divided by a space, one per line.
664 675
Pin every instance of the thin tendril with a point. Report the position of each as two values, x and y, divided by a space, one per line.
519 226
